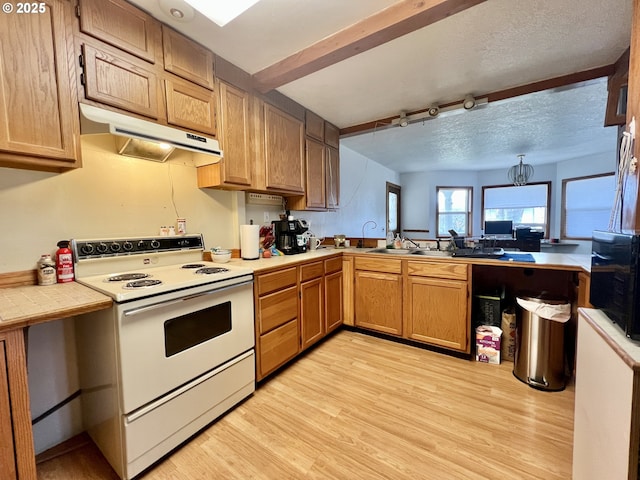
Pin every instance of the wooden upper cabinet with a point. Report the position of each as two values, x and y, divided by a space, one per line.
190 106
331 135
122 25
186 58
315 163
39 119
332 177
284 151
314 126
125 83
234 134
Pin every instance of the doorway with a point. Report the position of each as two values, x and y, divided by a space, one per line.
394 219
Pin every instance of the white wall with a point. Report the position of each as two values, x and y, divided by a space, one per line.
109 196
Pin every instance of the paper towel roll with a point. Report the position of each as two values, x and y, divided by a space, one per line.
250 242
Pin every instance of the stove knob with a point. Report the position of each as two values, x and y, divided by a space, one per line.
155 243
127 246
86 249
141 245
114 247
102 247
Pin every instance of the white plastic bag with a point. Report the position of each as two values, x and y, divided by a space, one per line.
557 313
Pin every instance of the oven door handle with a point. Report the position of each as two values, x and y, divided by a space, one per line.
136 311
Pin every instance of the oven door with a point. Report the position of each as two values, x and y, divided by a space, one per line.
165 342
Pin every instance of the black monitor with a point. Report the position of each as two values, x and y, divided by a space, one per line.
498 228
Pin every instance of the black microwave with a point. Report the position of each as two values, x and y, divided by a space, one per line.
615 278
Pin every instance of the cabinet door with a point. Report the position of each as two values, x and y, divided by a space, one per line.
17 454
235 136
333 177
311 312
314 126
39 119
7 453
190 106
277 347
378 301
315 172
333 301
122 25
186 58
124 83
331 135
437 312
284 151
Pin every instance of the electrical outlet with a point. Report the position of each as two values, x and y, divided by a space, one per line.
266 217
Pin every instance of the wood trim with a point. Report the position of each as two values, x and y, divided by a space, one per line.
555 82
19 398
630 207
617 81
74 443
381 27
18 279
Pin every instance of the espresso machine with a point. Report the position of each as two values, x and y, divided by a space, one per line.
289 236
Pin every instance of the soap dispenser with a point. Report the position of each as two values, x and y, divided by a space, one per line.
389 240
397 243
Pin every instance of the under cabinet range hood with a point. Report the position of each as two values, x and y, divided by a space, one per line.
143 139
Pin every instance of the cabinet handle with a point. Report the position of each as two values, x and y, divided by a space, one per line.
81 60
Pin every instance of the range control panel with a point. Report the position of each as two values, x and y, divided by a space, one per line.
114 247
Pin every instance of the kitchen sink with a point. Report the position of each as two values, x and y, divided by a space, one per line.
411 251
431 253
392 251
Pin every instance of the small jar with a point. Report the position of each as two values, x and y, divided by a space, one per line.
46 270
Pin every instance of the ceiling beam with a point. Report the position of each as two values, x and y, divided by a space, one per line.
393 22
556 82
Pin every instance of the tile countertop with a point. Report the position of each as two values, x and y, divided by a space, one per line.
28 305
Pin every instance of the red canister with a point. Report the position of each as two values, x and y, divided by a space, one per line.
64 262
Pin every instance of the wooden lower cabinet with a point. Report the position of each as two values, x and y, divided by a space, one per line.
17 456
428 302
333 302
436 312
378 301
294 308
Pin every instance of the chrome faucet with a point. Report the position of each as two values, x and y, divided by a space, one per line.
407 239
361 241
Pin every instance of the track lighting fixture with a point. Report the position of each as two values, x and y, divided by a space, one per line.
433 111
469 102
404 121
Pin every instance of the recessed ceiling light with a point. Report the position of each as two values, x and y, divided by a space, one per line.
222 11
177 10
176 13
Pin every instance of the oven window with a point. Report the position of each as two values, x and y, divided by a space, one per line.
189 330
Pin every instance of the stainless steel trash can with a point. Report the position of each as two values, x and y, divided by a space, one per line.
540 355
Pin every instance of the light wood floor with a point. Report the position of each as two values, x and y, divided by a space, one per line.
359 407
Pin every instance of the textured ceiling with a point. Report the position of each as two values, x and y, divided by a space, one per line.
489 47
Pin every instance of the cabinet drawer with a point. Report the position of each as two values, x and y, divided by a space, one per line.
278 346
277 308
311 270
378 265
332 265
270 282
455 271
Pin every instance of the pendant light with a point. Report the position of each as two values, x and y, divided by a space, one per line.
521 173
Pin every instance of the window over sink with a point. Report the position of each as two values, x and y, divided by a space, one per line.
453 210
